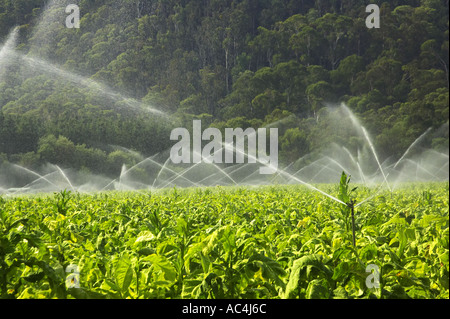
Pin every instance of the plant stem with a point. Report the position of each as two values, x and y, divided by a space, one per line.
352 207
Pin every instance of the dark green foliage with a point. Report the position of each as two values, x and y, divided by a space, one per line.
256 61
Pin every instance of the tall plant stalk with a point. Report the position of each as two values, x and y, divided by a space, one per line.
348 210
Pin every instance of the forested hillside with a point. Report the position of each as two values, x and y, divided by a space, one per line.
231 63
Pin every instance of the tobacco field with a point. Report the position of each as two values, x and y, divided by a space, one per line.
270 242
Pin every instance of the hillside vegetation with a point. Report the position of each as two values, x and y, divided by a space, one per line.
233 63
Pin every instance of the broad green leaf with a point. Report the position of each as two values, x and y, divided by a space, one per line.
192 288
108 284
182 227
444 258
341 271
144 236
163 264
146 251
123 273
167 248
368 252
206 262
300 266
270 269
34 277
340 293
426 220
210 242
17 222
317 289
396 220
88 245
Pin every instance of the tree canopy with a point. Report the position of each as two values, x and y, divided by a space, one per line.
227 62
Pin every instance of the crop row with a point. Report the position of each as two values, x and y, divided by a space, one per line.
266 242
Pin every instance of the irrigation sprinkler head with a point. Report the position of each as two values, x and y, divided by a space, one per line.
351 204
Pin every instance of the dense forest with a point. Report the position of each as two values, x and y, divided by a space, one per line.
230 63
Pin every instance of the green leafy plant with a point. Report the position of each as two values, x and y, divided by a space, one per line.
348 210
268 242
62 200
